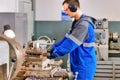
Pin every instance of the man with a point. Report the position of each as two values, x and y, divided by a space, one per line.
8 31
79 43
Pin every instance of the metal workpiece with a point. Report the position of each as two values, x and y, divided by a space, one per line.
114 36
16 56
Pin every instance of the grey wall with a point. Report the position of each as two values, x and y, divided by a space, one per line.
114 26
51 28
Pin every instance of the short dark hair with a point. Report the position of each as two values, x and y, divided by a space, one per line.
6 27
71 2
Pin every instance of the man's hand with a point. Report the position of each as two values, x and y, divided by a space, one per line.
51 54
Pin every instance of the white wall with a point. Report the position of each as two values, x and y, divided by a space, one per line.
51 9
25 6
8 5
102 8
46 10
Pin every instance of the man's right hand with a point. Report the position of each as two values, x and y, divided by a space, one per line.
51 54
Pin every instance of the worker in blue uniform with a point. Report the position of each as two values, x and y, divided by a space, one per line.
78 42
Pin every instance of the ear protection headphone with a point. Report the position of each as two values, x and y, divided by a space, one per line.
72 7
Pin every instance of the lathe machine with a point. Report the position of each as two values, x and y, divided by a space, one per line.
32 63
106 42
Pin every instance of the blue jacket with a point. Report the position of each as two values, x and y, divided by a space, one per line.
79 42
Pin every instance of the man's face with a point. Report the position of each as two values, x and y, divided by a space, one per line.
67 10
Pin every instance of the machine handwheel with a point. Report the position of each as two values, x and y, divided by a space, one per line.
16 57
47 39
